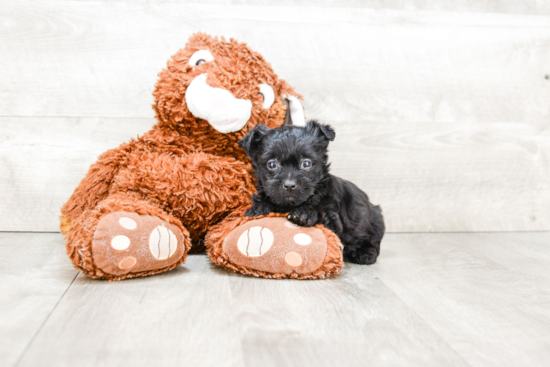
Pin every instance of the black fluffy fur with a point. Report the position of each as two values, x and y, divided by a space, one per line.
312 195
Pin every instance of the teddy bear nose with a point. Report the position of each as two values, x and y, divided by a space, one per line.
218 106
289 185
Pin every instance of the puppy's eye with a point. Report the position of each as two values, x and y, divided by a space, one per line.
200 57
272 165
306 164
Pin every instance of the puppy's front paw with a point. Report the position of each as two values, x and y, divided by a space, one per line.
304 217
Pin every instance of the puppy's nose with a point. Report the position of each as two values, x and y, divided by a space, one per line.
289 185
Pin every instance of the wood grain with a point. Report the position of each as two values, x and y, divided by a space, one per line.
428 177
482 308
42 160
34 274
100 59
183 317
436 177
509 249
441 116
493 6
459 299
332 322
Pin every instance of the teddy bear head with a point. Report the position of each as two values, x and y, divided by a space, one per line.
214 86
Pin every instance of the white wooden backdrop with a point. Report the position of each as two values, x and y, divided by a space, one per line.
442 109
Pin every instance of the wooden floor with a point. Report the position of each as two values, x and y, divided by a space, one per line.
447 299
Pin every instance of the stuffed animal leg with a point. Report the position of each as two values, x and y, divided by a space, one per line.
125 237
155 208
272 247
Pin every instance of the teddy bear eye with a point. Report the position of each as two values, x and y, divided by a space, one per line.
272 164
306 164
200 57
266 91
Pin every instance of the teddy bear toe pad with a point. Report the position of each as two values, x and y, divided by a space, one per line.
276 245
127 242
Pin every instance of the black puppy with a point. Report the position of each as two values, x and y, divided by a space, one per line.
290 166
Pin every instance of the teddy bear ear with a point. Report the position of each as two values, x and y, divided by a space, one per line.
294 109
294 115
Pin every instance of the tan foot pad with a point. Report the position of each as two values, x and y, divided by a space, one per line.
127 242
275 245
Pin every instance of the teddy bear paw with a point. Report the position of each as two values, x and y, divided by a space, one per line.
127 242
276 246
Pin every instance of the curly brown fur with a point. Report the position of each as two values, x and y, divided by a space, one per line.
292 174
183 170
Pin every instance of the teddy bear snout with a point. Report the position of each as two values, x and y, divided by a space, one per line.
218 106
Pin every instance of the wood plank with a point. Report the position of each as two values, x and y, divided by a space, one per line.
495 6
333 323
34 274
202 315
42 160
100 59
431 299
487 312
437 177
523 253
427 176
183 317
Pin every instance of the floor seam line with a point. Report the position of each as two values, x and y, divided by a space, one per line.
418 316
18 361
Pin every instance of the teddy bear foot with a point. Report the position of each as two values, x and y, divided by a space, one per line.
273 247
126 243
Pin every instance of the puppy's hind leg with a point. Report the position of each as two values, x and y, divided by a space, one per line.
365 250
363 253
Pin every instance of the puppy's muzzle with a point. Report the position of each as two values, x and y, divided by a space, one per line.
289 185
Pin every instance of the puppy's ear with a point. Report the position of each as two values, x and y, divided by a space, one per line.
251 140
321 130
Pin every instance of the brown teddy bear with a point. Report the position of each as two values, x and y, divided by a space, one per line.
185 184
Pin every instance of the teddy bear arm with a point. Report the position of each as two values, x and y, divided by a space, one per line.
94 187
199 189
